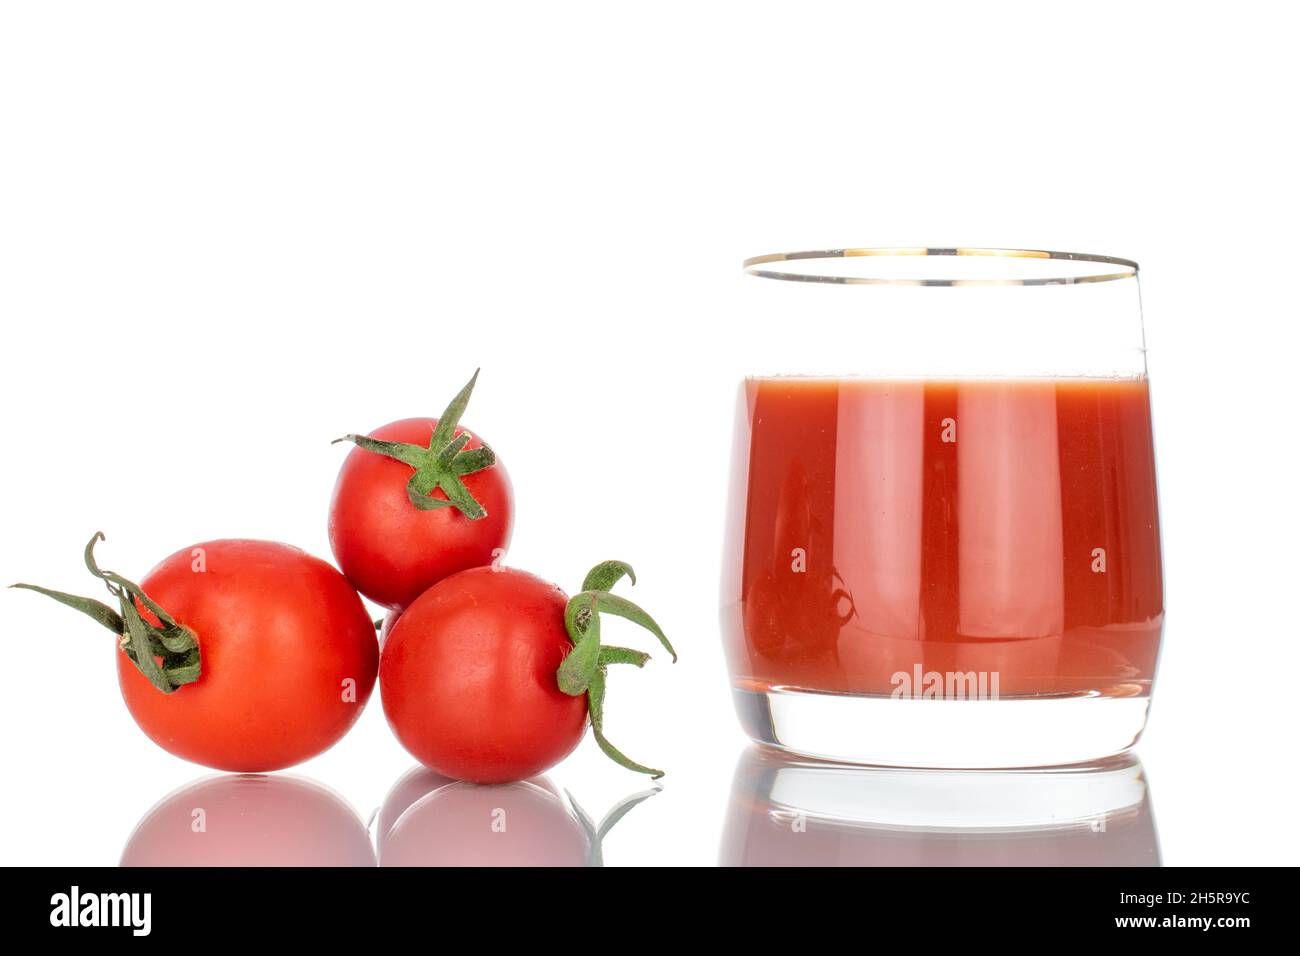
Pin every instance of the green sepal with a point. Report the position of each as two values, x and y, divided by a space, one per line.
442 464
584 667
596 708
622 655
139 648
167 654
605 575
621 606
579 665
98 610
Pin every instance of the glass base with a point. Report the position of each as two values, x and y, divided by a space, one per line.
955 734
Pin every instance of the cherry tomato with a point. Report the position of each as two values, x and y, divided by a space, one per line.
468 677
289 656
393 552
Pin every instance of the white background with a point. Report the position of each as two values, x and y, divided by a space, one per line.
230 232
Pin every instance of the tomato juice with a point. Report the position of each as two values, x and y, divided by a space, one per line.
886 530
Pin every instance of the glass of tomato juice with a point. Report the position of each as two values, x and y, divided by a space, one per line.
943 547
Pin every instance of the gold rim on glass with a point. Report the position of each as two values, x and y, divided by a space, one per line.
1128 268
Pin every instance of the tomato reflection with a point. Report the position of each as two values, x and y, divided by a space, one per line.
250 820
432 820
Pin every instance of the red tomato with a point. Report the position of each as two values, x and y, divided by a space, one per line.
288 652
393 552
468 679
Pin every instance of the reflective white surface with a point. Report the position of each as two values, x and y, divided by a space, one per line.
780 811
250 820
789 812
284 211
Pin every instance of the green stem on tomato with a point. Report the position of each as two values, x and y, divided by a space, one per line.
584 668
606 574
166 653
442 464
596 707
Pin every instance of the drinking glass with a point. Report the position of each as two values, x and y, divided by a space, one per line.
943 547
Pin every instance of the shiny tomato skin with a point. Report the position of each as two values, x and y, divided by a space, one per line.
279 632
467 677
393 552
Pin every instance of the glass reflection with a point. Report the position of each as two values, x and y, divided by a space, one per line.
250 820
786 811
431 820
